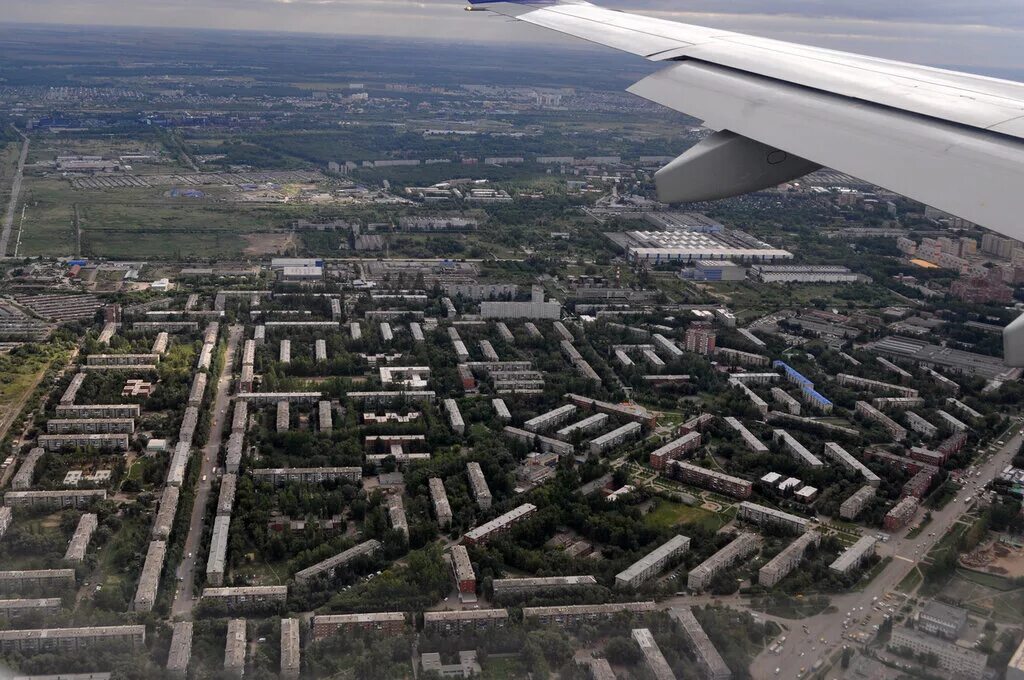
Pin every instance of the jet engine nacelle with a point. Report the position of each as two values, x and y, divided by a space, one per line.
726 164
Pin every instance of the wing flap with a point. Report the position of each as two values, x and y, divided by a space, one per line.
972 174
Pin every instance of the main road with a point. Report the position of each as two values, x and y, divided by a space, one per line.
185 597
5 234
802 650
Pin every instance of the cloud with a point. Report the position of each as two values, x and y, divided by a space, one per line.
981 34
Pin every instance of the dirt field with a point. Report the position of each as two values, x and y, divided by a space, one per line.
268 244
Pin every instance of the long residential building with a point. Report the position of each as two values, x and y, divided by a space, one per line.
26 473
866 384
149 580
328 566
853 505
278 476
796 449
65 442
752 442
551 419
959 661
392 623
708 659
42 579
457 621
12 609
584 613
844 458
763 516
235 645
180 652
675 449
743 545
70 498
587 425
500 524
94 411
79 542
897 431
786 561
531 585
652 655
439 497
478 485
217 559
35 640
290 649
855 555
710 479
614 438
652 563
90 426
246 596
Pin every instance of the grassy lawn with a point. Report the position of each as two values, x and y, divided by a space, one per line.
500 668
668 515
910 581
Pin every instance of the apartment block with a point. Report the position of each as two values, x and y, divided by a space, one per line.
752 442
789 559
226 496
478 485
653 563
328 566
551 419
877 386
500 524
584 613
675 449
439 497
278 476
710 479
26 473
290 649
959 661
457 621
180 652
504 587
392 623
149 581
901 513
462 568
853 505
589 424
215 562
616 437
234 647
455 421
740 547
79 543
652 655
70 442
58 640
708 659
897 431
796 449
763 516
72 498
242 597
855 555
840 455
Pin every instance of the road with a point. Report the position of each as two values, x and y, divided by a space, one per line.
185 598
5 235
801 651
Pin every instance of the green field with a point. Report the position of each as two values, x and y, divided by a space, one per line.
668 515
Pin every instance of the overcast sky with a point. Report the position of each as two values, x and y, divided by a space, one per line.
982 34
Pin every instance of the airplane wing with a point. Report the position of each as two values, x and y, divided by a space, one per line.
954 141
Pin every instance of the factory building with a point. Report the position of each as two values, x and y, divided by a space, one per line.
789 559
740 547
499 524
328 566
653 563
802 274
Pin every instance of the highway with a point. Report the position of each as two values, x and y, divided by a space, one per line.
5 235
802 650
185 598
